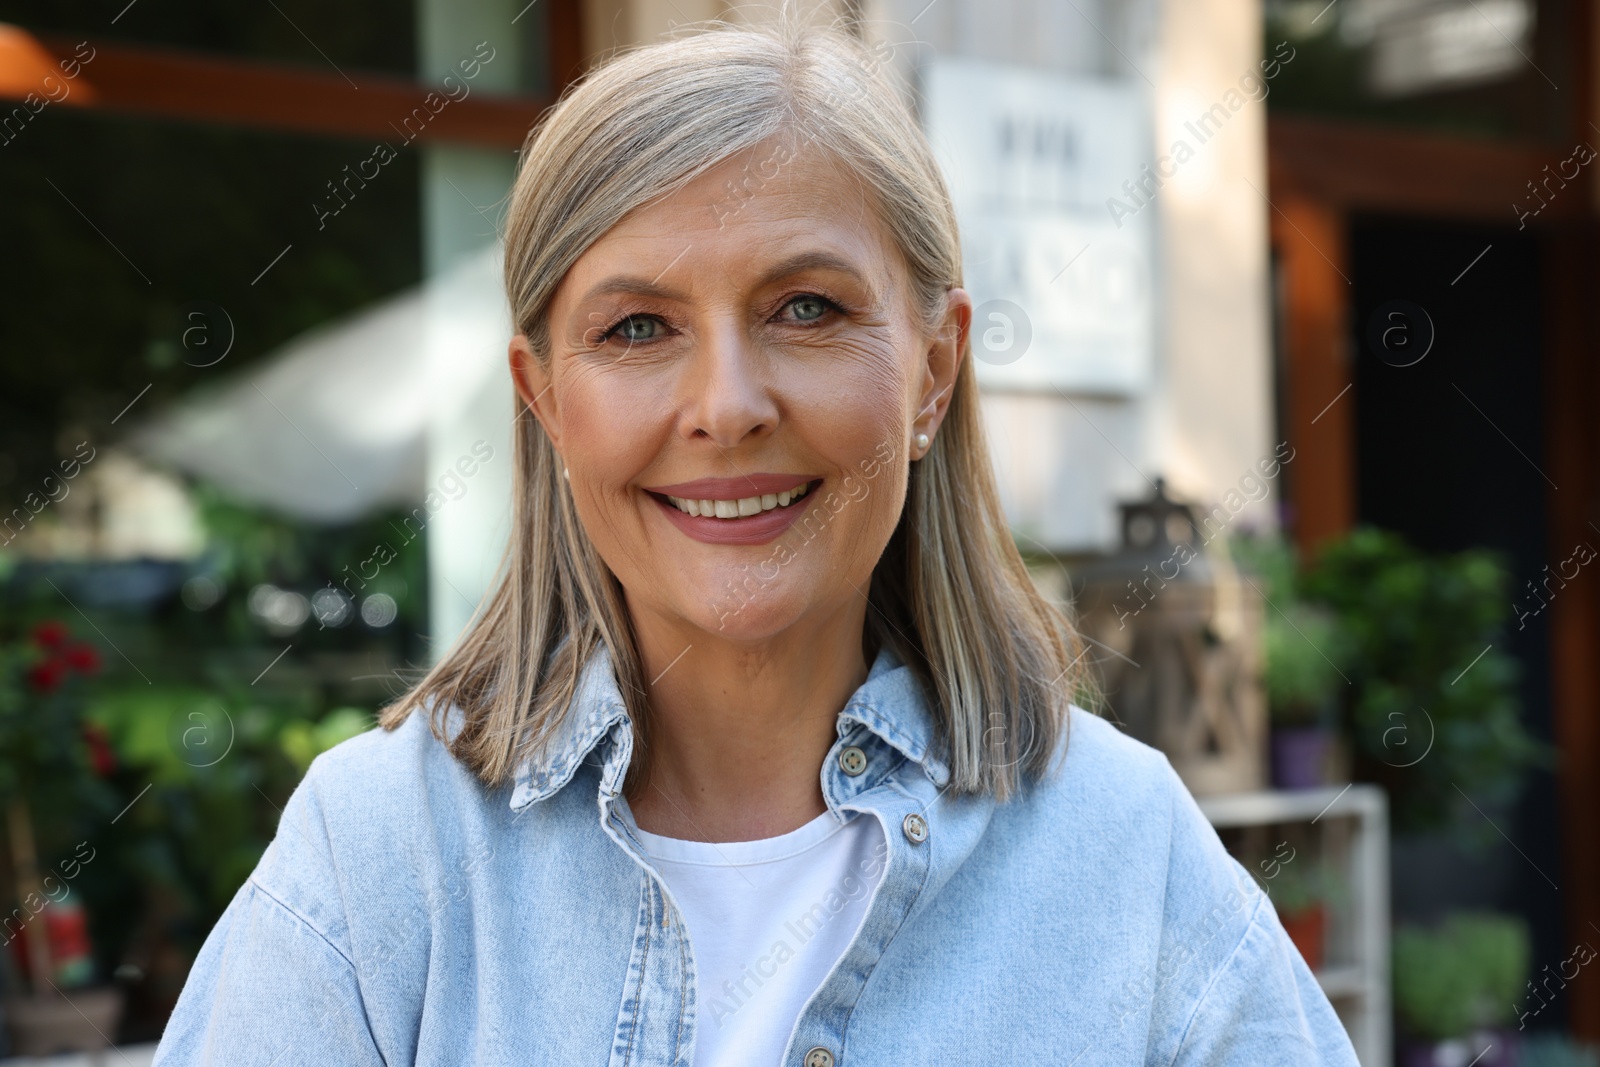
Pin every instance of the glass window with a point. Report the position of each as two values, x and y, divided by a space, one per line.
1492 68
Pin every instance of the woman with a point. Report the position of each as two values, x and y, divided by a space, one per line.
759 752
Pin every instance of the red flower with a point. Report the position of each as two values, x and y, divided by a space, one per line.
46 675
82 657
100 754
50 634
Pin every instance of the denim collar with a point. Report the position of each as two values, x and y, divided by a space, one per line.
890 703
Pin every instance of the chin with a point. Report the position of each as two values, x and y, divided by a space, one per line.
753 625
747 608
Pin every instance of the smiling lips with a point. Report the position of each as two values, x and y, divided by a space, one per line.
751 509
741 508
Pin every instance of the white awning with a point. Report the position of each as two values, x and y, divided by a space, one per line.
334 425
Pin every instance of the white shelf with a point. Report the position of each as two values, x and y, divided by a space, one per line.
125 1056
1353 825
1301 805
1342 981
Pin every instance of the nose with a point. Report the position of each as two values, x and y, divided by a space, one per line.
724 395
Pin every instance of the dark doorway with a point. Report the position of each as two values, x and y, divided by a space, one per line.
1449 454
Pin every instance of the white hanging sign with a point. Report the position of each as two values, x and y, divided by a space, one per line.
1062 285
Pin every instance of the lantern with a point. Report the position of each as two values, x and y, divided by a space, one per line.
1178 638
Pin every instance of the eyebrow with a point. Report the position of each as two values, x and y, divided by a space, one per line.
796 264
816 260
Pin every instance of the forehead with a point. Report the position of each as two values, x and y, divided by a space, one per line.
759 206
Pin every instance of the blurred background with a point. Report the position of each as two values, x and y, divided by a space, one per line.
1286 330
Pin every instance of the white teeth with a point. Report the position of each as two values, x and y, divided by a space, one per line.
734 509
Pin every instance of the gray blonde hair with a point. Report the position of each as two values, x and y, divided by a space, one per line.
950 593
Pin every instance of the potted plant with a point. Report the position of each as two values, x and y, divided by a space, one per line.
1301 643
1303 893
1455 987
1302 889
51 765
1431 700
1302 685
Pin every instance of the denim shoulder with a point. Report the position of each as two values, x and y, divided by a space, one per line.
1226 985
1105 777
349 831
1101 825
1136 833
1131 791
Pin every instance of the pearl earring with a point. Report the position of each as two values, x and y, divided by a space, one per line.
566 474
922 442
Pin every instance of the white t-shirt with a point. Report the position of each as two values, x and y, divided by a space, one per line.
767 921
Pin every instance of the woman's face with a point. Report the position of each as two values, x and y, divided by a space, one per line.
736 381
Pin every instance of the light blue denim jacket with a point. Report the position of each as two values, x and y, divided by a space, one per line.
406 914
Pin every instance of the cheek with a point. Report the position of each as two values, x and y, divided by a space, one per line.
853 413
604 449
608 411
862 388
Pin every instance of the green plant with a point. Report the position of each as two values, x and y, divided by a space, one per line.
220 759
43 744
1464 975
1300 678
1301 642
247 546
1305 884
195 678
52 762
303 741
1432 700
1296 878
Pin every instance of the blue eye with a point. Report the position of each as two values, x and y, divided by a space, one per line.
637 328
808 308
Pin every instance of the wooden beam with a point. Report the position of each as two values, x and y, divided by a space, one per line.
1572 444
1310 240
1366 168
27 66
207 88
568 49
1572 448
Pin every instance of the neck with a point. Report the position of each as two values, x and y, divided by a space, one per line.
738 731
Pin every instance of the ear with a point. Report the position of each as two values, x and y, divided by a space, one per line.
533 386
943 361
